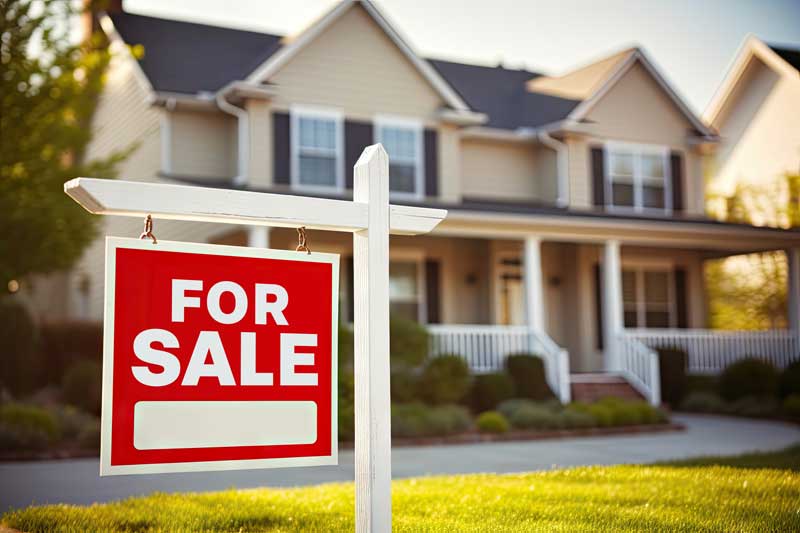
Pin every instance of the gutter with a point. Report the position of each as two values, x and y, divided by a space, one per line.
243 136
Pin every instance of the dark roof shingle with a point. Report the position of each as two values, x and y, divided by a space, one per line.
791 56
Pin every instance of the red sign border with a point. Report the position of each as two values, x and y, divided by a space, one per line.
115 243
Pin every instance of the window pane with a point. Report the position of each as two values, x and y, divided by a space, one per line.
622 194
622 164
656 288
402 281
653 196
317 133
628 286
400 143
630 319
657 319
402 178
316 170
653 166
407 310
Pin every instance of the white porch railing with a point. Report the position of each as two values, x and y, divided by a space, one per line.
485 348
710 351
639 364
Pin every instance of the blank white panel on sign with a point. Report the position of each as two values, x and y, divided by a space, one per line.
166 425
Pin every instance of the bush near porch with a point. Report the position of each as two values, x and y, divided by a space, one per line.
749 387
705 494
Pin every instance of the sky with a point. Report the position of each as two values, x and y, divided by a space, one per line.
692 42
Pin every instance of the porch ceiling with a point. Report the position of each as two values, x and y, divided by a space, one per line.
717 238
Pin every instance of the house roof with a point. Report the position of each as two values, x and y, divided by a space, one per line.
582 82
185 57
502 95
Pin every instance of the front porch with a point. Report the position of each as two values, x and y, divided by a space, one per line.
594 299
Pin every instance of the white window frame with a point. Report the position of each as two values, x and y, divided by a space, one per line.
391 121
418 257
639 269
324 113
637 151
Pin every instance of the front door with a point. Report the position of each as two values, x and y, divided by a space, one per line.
511 297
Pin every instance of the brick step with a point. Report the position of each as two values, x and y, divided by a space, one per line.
593 387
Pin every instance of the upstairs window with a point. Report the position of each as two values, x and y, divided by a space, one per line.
405 289
317 148
403 142
637 177
647 296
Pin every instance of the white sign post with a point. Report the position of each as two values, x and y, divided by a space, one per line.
370 218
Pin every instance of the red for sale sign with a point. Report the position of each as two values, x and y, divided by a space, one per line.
217 358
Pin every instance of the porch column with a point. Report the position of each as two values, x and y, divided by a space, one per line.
793 292
613 320
258 236
532 275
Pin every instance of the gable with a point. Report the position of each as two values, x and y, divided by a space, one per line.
354 66
637 109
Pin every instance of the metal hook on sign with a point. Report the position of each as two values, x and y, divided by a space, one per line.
302 241
148 230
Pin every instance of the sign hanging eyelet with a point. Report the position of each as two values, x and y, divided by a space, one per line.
302 241
148 230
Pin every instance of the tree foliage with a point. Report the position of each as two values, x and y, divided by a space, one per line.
749 292
50 87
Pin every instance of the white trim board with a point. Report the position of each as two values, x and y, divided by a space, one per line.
115 243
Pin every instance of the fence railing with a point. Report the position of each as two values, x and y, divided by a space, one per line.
710 351
639 364
485 349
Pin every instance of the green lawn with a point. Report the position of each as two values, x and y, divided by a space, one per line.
758 493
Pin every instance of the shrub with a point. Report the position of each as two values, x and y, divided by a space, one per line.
622 413
571 419
89 437
790 380
791 405
509 407
71 421
489 390
18 346
83 384
346 422
26 427
408 342
65 343
532 416
702 383
418 420
527 373
601 413
404 385
672 366
445 379
748 377
492 422
703 402
753 406
345 347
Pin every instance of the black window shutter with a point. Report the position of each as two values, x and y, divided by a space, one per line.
681 300
348 268
676 166
431 144
432 291
598 304
598 176
280 148
357 136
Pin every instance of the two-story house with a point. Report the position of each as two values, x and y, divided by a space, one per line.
576 223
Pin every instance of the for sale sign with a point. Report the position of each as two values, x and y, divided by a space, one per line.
217 357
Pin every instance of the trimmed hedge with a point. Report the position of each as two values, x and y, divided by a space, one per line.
748 377
445 379
489 390
408 342
672 366
528 374
418 420
492 422
26 427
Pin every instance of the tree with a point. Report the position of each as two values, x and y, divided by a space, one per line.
749 292
49 89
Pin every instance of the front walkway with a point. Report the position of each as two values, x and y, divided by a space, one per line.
76 481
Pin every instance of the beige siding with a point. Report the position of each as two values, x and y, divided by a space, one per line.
203 144
759 130
354 66
498 169
260 122
450 169
580 178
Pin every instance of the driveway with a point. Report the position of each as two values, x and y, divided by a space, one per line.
77 481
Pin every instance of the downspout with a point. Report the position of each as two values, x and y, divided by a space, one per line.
562 163
243 135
